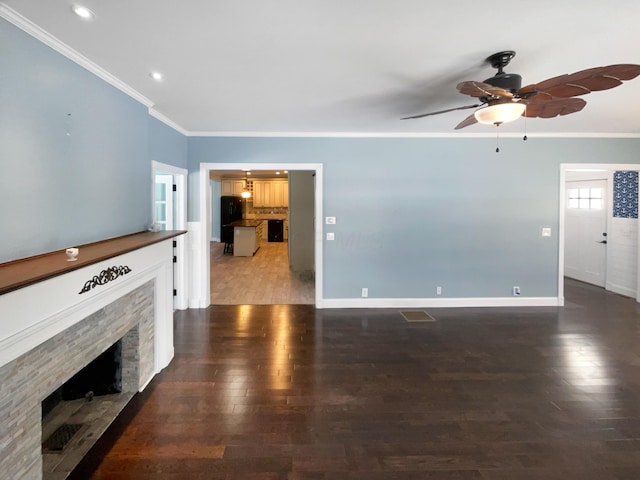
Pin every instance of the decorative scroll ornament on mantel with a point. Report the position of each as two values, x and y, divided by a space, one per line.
105 276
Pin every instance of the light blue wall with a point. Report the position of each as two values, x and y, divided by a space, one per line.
166 145
412 213
416 213
74 152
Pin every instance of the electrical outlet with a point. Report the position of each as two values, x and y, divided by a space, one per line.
331 236
516 291
330 220
365 292
438 290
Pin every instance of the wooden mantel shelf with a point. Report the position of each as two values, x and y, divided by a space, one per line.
27 271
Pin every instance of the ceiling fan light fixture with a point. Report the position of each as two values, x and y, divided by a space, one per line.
500 113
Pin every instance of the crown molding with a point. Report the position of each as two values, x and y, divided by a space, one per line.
411 135
45 37
167 121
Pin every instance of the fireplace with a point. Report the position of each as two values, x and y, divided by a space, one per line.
102 376
58 317
78 412
62 417
121 335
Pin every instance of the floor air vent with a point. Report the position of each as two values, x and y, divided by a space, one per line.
61 437
417 316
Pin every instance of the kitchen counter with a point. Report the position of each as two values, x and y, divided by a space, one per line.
246 223
246 237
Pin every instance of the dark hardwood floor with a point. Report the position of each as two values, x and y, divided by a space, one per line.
290 392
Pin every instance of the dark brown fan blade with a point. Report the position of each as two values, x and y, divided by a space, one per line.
442 111
584 81
553 108
480 89
470 120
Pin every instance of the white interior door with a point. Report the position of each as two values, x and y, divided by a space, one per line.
585 231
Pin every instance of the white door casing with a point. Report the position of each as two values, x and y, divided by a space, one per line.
201 293
179 217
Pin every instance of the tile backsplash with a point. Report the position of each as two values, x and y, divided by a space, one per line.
252 212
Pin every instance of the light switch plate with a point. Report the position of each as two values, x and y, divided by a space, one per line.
331 236
546 231
330 220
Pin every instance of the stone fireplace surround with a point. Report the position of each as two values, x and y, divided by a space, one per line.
49 331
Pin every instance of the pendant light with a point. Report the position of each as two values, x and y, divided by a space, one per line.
245 192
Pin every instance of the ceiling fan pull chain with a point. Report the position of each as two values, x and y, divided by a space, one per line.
525 123
498 140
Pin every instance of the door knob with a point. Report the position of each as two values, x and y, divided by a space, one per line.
604 234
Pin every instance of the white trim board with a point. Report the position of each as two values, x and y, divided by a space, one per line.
45 37
443 302
202 273
492 134
167 121
62 48
607 169
180 176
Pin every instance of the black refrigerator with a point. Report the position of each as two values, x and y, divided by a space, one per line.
230 211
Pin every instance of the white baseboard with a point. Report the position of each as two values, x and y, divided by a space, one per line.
442 302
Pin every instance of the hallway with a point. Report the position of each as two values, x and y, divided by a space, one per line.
290 392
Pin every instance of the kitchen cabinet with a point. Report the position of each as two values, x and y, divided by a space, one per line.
270 193
232 187
261 193
280 194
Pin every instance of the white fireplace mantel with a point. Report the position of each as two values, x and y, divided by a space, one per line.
57 315
41 297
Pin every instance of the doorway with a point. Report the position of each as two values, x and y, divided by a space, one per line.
621 267
204 273
169 212
586 231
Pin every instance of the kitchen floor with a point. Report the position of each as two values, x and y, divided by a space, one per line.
263 279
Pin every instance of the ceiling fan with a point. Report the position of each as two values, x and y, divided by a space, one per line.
502 99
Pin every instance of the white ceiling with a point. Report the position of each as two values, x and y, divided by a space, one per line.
356 67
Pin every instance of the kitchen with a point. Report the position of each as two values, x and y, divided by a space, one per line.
262 238
253 211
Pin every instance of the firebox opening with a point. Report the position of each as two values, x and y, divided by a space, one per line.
103 376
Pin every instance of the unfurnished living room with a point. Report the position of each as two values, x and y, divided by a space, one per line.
319 240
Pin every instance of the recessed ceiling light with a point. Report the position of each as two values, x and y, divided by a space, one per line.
248 172
157 76
83 12
277 173
286 171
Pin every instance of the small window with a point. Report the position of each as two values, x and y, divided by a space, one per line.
585 198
